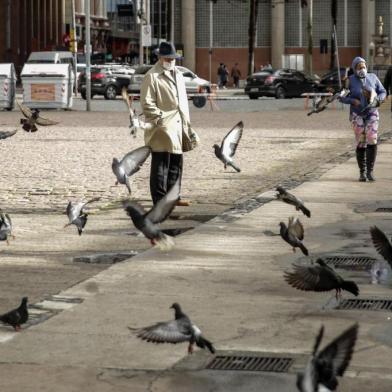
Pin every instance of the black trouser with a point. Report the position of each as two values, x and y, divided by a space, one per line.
166 168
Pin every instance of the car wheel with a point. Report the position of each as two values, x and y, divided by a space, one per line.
253 96
280 93
110 92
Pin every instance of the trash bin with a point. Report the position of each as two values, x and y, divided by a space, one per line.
47 86
7 86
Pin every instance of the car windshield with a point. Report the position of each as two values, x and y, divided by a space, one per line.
142 69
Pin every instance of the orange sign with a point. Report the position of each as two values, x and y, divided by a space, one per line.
43 92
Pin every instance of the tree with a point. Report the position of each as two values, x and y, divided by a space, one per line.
334 17
253 10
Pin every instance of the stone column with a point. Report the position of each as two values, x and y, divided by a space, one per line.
188 32
368 25
277 33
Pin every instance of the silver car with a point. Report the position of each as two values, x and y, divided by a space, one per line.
193 83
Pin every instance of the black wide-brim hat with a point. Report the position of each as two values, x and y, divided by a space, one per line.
167 49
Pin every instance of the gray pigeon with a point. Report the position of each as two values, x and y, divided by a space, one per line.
319 277
293 234
146 222
5 228
33 118
16 317
130 164
76 215
325 366
289 198
179 330
7 134
381 243
226 151
326 100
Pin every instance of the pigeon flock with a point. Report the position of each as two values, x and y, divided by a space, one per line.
324 366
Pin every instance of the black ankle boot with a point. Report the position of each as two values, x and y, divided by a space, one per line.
371 153
361 160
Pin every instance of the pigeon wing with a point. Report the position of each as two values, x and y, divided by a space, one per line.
133 161
164 332
74 210
296 228
338 353
24 109
45 121
381 243
231 140
165 206
127 99
6 134
135 205
91 201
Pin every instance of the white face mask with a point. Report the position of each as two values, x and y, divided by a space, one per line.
362 73
169 65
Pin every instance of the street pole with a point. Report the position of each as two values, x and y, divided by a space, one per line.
141 17
172 21
310 38
88 56
211 43
75 47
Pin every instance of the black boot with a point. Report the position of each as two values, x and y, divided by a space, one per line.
371 153
361 163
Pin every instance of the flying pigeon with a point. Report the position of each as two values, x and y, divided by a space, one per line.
229 146
323 102
323 367
5 228
134 122
130 164
33 118
7 134
289 198
179 330
76 215
381 243
293 234
146 222
319 277
16 317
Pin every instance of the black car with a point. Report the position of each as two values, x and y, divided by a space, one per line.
281 83
329 82
103 82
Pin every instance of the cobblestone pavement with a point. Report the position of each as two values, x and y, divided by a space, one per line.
43 170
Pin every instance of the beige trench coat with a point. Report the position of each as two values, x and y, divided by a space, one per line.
165 105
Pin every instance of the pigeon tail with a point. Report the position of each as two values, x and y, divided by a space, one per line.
203 343
305 211
304 250
164 242
350 286
236 168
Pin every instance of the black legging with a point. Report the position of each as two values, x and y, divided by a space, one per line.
166 168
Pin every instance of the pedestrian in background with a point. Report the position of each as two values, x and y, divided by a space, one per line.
365 121
220 73
235 75
388 82
164 101
225 75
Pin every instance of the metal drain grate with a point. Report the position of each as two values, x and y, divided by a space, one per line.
251 363
366 304
351 262
384 209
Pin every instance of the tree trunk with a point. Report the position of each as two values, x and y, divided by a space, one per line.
253 8
334 14
309 62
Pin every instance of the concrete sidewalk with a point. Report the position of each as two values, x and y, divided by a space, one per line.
228 276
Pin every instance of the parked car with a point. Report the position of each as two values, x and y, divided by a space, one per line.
281 83
193 83
61 57
104 81
329 81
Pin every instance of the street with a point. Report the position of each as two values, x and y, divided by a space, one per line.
44 170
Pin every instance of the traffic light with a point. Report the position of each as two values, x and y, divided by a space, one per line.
73 42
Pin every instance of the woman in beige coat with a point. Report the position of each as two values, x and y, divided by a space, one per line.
165 104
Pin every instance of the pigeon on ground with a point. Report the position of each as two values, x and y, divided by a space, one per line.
76 215
146 222
293 234
229 146
381 243
16 317
134 122
33 118
5 228
130 164
323 367
289 198
319 277
326 100
179 330
7 134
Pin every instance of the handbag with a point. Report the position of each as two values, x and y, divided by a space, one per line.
190 139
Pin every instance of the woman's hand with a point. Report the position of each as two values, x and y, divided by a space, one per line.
356 102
